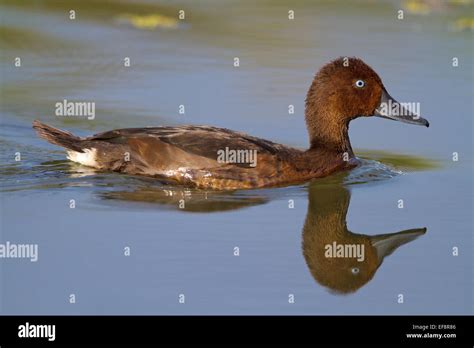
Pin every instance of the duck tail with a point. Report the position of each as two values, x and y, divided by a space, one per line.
58 137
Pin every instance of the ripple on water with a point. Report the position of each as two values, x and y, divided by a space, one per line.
370 171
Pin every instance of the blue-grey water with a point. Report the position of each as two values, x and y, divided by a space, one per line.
190 251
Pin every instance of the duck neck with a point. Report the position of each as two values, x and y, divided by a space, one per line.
329 131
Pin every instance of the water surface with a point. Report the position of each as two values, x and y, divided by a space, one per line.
279 232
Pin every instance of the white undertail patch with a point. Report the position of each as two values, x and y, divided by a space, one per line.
87 158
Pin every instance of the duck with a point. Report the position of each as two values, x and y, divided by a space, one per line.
208 157
338 259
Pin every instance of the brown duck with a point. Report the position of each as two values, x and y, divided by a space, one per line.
211 157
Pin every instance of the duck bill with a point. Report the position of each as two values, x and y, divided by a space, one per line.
385 244
391 109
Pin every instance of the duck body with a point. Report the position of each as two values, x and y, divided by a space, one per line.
189 155
219 158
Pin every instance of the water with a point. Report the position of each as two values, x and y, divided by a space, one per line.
190 251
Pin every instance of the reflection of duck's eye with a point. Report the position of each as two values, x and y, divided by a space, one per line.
360 83
355 270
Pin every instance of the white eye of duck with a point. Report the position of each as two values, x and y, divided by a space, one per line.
360 83
355 270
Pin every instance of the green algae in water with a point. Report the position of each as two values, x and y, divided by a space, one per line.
400 161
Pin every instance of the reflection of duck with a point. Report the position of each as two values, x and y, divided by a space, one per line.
210 157
326 227
196 201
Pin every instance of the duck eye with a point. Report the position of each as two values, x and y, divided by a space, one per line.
360 83
355 270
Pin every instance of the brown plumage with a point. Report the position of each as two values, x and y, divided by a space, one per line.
189 155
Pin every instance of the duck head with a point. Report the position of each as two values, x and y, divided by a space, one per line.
343 90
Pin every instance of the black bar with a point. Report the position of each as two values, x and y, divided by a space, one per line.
135 330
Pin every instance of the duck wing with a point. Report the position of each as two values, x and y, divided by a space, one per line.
193 146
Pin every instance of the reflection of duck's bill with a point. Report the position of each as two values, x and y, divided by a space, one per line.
385 244
393 110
